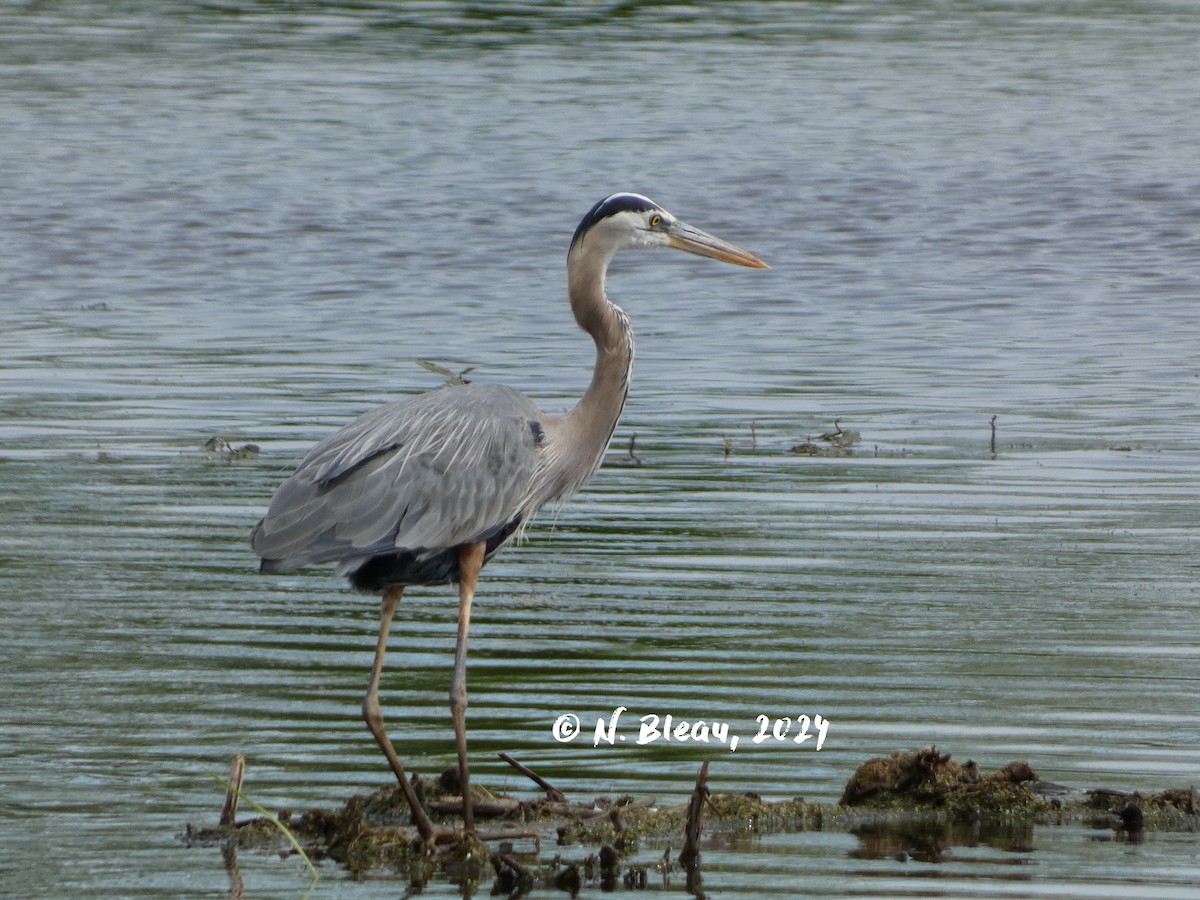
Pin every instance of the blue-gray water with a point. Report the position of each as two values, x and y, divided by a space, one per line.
248 220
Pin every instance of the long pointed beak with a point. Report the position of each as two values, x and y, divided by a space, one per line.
693 240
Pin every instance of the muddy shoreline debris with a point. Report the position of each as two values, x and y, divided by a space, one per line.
909 805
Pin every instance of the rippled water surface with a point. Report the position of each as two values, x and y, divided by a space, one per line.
247 220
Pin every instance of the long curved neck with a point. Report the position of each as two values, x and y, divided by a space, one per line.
577 440
592 421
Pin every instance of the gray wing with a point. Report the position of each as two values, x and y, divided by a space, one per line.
425 474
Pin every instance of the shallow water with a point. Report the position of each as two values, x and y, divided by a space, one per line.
230 220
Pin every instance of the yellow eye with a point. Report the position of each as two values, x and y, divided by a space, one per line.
655 220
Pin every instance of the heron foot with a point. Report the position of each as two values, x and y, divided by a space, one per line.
466 848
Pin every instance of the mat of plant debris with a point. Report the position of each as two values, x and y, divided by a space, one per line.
909 805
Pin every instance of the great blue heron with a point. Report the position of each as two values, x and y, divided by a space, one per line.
426 490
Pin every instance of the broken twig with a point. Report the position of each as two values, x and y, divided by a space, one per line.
552 793
237 777
690 855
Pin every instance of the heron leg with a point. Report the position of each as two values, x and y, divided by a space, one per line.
470 561
373 716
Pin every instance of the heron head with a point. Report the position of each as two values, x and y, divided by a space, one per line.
631 222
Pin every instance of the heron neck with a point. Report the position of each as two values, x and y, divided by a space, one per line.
595 416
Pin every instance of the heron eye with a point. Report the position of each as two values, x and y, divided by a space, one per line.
655 220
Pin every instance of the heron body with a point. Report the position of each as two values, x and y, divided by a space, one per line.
390 496
426 490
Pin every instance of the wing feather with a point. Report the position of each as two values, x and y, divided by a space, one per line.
424 474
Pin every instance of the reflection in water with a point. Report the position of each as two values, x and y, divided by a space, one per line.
932 842
237 884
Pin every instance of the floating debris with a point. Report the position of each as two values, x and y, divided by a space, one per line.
220 449
839 442
907 806
452 378
629 459
729 444
928 778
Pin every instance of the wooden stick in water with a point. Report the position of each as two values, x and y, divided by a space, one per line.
237 776
552 793
690 855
